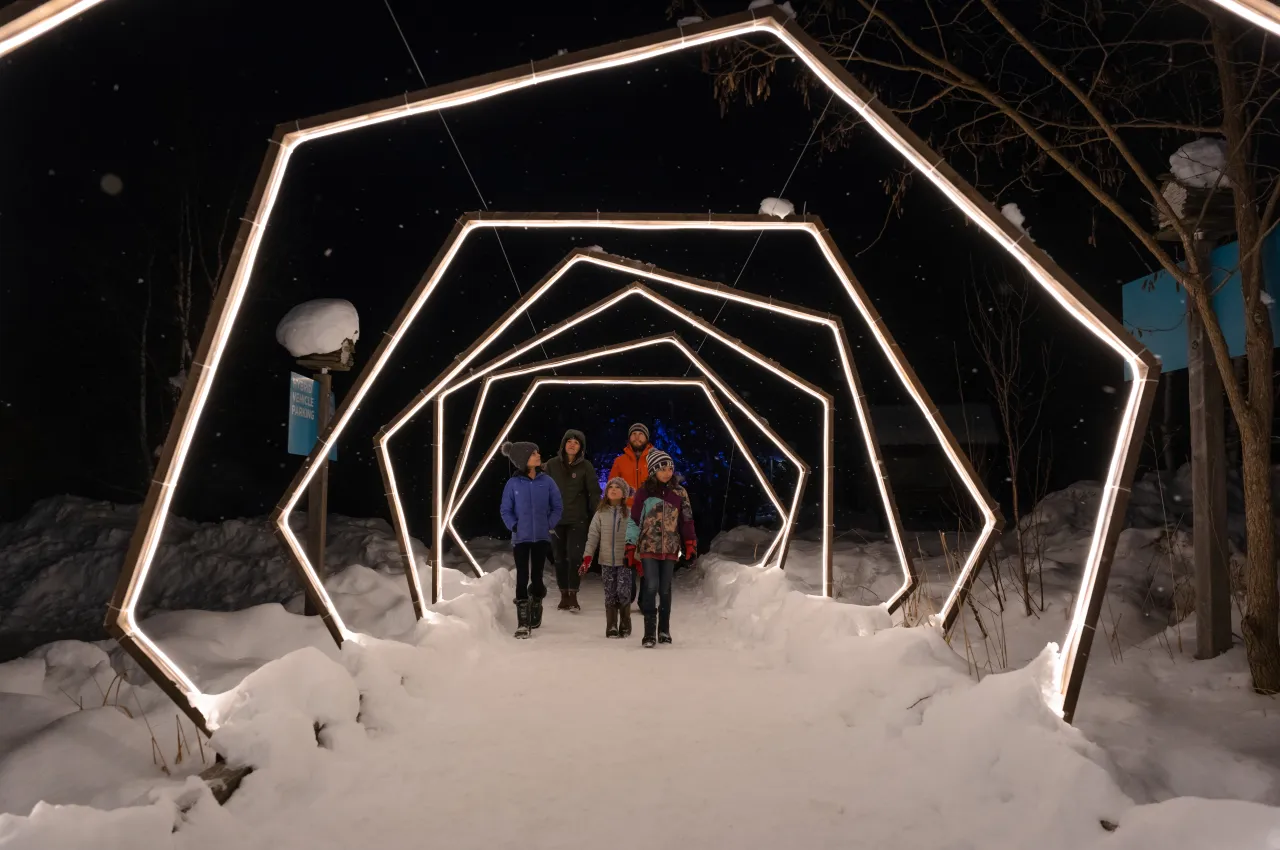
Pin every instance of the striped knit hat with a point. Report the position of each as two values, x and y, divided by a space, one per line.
658 459
641 427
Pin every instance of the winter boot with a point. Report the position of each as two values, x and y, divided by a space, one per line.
535 614
664 627
574 607
522 618
564 601
611 620
624 620
649 623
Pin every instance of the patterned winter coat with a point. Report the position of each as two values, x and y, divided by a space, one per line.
661 521
608 531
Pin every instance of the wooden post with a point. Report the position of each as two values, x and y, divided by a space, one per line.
318 491
1208 488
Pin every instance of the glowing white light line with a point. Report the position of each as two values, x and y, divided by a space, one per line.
402 528
25 29
453 507
1257 12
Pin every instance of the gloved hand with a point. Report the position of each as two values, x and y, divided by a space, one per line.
631 559
586 565
691 550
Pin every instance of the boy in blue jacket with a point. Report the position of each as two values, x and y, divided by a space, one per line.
531 507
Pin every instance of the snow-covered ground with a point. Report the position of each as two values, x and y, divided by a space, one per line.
776 717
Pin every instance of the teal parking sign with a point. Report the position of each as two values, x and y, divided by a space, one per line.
304 405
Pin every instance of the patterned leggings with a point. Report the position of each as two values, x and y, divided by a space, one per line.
618 582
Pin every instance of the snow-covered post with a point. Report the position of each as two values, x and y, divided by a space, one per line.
322 335
1199 190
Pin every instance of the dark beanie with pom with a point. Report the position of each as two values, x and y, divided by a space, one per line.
519 453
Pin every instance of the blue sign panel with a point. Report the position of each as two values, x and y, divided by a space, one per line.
1155 308
304 404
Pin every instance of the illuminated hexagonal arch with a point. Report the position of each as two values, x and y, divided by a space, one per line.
781 539
444 387
770 21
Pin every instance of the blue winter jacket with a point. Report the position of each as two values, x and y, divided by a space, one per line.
531 507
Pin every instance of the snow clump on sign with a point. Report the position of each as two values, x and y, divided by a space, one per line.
689 20
1201 164
779 207
318 327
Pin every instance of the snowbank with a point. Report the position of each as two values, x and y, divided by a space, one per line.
1201 164
59 564
776 718
318 327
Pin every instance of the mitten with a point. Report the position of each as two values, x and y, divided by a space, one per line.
631 557
691 550
586 565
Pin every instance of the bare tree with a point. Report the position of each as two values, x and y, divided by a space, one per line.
1000 316
1097 93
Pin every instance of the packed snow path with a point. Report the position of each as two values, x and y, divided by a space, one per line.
573 740
775 720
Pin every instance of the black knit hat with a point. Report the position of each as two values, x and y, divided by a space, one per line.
519 453
657 459
641 427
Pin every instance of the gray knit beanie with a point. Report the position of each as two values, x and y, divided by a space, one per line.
639 426
621 484
519 453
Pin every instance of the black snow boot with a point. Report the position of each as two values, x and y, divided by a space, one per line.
522 618
535 614
664 627
624 620
649 623
611 620
574 607
564 601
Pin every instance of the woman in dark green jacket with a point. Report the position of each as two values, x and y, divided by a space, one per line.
580 492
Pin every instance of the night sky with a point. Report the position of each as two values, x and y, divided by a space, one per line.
177 100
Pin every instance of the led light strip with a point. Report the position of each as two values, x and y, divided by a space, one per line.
26 28
782 538
769 21
1257 12
704 383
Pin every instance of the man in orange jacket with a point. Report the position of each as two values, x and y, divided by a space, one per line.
633 464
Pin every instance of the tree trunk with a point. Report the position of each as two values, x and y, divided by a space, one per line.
1254 411
1260 624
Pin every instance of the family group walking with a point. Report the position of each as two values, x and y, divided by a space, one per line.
641 528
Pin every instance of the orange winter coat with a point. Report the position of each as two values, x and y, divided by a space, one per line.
632 469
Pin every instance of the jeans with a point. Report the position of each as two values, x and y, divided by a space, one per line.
657 583
530 559
569 543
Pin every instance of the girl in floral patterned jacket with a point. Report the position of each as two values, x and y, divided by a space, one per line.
659 532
